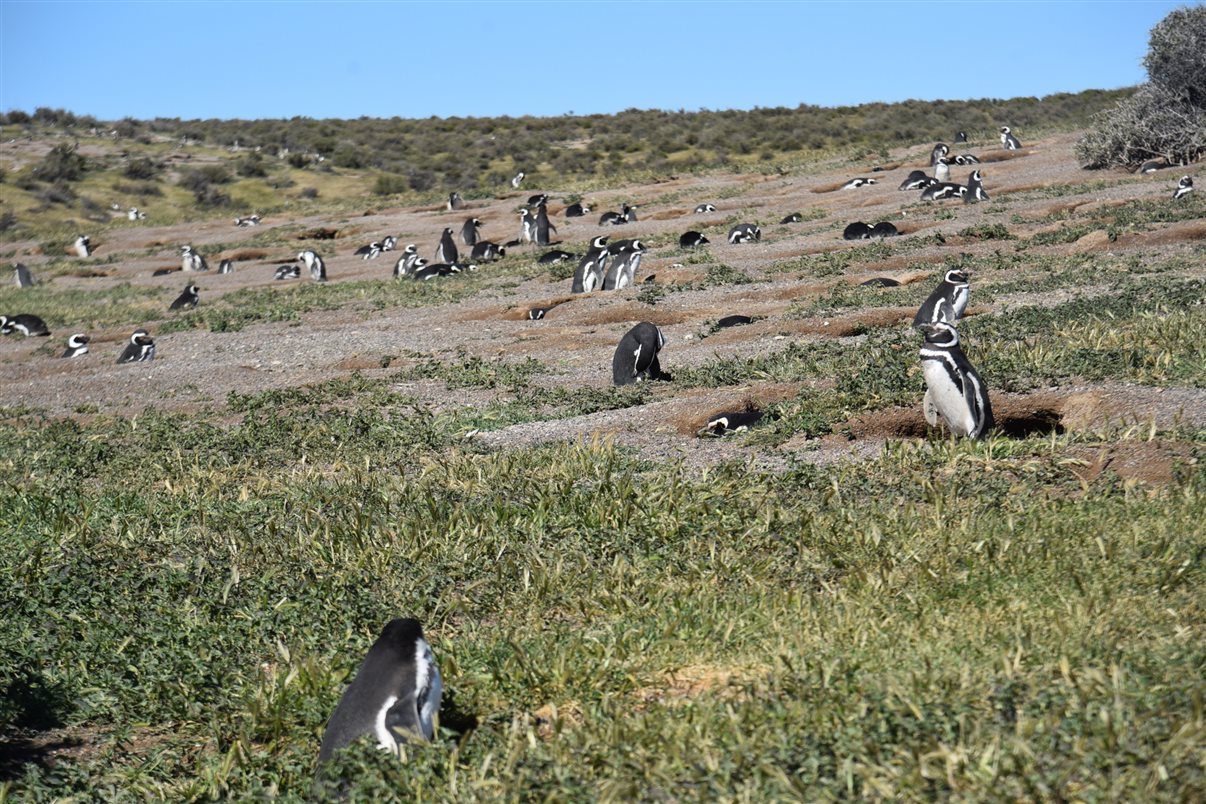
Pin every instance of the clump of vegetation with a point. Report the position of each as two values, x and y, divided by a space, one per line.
1166 117
142 169
62 164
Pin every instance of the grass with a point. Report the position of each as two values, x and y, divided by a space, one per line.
949 620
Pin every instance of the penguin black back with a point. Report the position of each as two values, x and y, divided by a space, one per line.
947 301
636 358
394 696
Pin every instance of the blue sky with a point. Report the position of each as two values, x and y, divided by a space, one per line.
418 59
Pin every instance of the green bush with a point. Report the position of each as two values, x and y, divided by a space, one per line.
63 163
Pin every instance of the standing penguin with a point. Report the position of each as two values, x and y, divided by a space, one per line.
188 298
446 250
226 267
1184 187
975 189
455 202
82 246
140 348
470 232
77 345
1008 141
942 169
394 696
955 392
518 180
543 227
190 260
635 358
940 150
622 271
960 137
591 267
406 263
947 302
316 264
22 276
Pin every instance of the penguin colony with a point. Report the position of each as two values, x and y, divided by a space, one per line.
395 695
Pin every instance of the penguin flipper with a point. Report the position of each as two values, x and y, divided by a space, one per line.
402 720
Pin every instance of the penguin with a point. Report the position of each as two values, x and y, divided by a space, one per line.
369 252
856 183
940 150
734 321
190 260
955 392
423 273
966 159
77 345
622 271
1150 166
316 264
611 219
1009 141
576 210
554 257
140 348
947 302
226 267
188 298
287 272
446 250
975 189
856 231
389 243
704 208
469 232
1184 187
794 217
543 227
485 251
591 268
22 276
527 225
917 180
408 267
134 214
692 239
941 190
406 263
880 282
455 202
82 246
537 313
517 180
635 358
884 229
537 200
164 271
942 170
28 325
628 213
394 696
250 220
720 424
744 233
960 137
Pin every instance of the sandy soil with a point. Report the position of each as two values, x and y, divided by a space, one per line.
197 369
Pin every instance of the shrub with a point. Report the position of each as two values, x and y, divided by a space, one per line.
298 161
309 192
199 179
1166 117
8 220
63 163
141 169
390 184
252 166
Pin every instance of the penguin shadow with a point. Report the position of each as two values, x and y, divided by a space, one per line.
455 717
37 706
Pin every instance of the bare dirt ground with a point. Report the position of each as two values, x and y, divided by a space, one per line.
196 369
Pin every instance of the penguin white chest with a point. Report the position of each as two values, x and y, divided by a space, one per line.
946 397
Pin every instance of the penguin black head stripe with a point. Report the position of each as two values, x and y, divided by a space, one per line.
140 348
394 696
77 345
